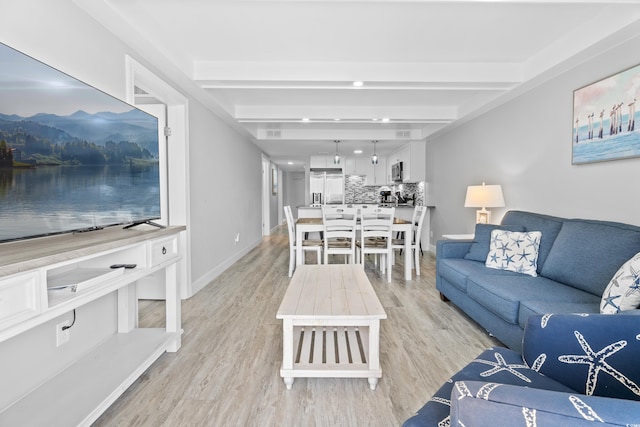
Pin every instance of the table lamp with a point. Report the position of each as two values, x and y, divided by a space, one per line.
484 196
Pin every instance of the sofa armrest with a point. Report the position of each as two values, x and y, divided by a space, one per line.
452 248
595 354
481 404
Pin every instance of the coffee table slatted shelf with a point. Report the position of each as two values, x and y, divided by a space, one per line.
331 324
325 349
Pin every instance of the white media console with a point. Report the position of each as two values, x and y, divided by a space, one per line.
72 383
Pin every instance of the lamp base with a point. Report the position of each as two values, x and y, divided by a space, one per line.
483 216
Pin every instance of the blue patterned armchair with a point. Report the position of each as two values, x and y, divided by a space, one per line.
574 369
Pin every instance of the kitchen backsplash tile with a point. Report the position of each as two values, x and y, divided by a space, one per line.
357 192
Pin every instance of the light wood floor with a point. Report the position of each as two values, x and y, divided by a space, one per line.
227 371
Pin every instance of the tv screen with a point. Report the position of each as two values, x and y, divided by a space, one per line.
71 156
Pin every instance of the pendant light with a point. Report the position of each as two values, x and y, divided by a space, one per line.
336 158
374 157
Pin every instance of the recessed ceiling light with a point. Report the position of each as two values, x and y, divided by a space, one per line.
337 120
385 119
358 83
357 151
375 120
305 119
289 163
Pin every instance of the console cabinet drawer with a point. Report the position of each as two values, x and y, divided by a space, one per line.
163 250
19 299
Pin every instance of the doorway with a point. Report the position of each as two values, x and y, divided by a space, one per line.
266 196
143 89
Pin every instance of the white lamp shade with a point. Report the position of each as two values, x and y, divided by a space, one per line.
484 196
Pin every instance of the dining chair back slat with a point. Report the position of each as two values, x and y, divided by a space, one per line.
375 236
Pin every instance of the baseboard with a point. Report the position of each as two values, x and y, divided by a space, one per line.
203 281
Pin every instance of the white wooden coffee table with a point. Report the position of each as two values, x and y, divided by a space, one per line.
331 324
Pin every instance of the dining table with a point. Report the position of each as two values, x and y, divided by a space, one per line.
310 225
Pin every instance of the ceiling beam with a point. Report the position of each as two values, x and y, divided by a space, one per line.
347 72
296 112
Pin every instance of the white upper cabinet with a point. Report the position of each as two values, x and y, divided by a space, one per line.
413 158
323 162
377 174
361 165
356 165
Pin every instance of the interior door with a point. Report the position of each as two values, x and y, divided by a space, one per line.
160 111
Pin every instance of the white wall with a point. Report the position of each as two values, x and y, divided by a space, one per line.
525 145
226 181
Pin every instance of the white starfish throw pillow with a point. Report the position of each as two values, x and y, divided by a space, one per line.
623 291
514 251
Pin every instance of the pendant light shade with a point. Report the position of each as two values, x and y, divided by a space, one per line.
374 157
336 157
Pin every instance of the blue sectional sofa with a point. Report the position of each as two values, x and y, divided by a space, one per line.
576 260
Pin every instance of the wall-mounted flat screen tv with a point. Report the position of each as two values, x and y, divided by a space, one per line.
72 157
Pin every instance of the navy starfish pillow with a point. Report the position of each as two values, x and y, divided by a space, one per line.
595 354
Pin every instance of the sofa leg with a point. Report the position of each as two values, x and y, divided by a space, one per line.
443 298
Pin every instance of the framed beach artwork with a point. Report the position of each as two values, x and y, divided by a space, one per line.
604 119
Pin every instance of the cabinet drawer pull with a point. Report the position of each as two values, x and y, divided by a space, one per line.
164 250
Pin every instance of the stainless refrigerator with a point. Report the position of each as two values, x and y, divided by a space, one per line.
329 183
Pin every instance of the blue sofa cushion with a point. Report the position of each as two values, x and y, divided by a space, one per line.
532 308
481 404
496 364
549 226
456 271
482 239
502 294
586 254
595 354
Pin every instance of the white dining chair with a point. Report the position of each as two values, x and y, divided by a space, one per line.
307 244
375 236
339 231
416 231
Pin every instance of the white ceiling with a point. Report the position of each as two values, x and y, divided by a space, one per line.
264 65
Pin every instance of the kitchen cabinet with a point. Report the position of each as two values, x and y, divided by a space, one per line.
356 165
403 155
324 162
377 174
374 174
413 158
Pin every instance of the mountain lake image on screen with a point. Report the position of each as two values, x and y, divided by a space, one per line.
71 156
